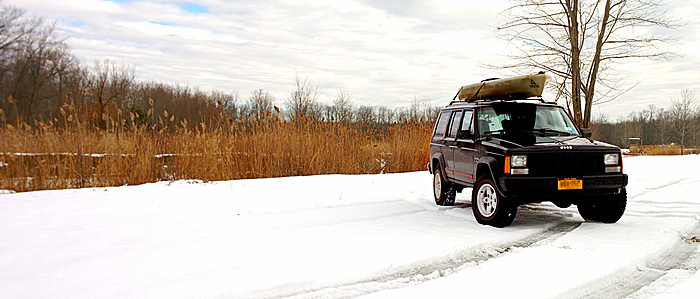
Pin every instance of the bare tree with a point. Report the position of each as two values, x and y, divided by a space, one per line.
108 83
35 65
579 40
260 103
341 109
632 127
227 102
418 110
387 116
663 124
302 101
366 117
13 28
682 111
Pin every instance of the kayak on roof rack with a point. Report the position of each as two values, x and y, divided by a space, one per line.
506 88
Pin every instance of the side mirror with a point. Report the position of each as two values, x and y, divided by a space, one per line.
586 132
465 134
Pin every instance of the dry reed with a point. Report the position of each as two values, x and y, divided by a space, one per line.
46 156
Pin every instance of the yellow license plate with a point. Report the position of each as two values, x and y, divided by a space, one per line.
570 184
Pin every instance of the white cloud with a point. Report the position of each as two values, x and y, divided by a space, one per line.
383 52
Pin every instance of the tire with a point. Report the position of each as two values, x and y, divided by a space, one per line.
489 207
443 190
606 209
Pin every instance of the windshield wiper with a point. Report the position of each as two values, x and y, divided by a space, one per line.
553 132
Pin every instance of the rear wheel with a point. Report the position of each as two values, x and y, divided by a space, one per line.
489 207
606 209
443 190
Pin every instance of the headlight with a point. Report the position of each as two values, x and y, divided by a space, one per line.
611 159
518 161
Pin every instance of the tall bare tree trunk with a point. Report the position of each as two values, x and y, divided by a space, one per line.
589 92
572 9
579 40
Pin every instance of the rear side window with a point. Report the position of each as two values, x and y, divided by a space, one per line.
467 123
454 127
441 126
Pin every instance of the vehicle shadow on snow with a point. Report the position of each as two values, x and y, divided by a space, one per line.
545 213
533 214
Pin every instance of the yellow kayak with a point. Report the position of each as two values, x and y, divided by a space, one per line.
509 88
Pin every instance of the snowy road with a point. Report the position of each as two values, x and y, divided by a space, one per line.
341 236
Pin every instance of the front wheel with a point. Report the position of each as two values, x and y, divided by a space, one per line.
605 209
443 190
489 207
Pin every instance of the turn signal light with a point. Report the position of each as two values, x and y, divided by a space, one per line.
506 165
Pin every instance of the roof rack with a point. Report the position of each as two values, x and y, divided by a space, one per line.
503 100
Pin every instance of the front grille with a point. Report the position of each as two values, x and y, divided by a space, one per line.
568 164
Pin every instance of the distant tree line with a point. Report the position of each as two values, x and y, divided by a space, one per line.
43 83
679 124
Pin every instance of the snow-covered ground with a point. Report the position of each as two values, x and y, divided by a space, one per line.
339 236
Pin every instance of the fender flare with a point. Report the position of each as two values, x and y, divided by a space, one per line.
490 164
441 160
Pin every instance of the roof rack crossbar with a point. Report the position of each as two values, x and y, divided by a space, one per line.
502 100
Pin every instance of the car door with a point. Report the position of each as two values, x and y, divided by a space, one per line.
451 145
438 148
464 150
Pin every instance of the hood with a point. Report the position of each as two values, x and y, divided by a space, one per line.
555 143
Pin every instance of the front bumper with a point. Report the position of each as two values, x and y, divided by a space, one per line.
517 186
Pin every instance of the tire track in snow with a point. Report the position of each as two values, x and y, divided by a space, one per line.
630 280
422 271
654 188
679 208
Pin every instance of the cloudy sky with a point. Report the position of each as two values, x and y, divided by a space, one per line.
384 53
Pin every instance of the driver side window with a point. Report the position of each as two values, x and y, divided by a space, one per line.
489 121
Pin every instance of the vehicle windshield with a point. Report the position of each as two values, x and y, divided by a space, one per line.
520 122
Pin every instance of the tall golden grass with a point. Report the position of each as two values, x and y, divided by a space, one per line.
48 156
